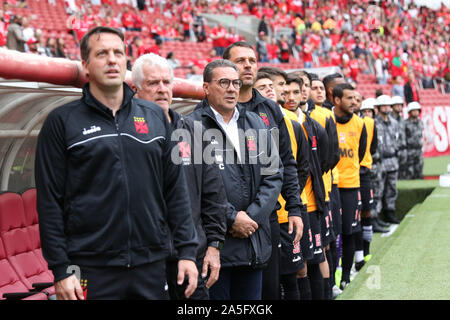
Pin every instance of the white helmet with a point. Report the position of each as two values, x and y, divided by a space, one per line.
413 106
397 100
383 100
368 104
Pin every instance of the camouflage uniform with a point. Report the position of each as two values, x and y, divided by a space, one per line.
376 179
414 143
402 152
388 146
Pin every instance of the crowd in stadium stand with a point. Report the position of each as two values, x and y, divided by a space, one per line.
389 40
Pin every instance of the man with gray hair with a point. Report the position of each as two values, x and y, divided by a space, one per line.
153 80
252 174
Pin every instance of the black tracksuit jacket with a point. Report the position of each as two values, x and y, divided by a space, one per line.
246 187
206 190
107 190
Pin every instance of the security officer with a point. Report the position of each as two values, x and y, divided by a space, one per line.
368 111
388 146
365 237
397 114
414 141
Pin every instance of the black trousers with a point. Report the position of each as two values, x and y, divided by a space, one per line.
176 292
271 274
145 282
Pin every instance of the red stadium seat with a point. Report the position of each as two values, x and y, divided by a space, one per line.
18 244
31 220
10 284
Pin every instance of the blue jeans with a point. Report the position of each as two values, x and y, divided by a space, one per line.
237 283
308 65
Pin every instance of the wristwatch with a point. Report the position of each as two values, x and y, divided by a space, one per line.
216 244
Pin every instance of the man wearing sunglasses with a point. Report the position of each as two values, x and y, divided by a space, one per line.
252 175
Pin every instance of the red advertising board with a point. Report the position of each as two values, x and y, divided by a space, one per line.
436 122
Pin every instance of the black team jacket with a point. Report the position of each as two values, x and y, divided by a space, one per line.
252 185
107 190
318 155
206 189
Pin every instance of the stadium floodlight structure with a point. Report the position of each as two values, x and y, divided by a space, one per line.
31 86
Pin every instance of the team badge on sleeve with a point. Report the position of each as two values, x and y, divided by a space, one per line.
264 118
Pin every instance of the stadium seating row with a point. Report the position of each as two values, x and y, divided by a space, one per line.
24 273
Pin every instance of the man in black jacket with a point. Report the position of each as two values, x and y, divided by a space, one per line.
252 174
153 80
411 89
107 192
244 57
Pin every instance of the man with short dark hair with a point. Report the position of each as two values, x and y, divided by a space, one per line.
278 77
264 85
330 81
107 190
292 255
252 181
309 278
244 57
352 147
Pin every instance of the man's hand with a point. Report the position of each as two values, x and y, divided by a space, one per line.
297 223
189 269
69 289
243 226
212 262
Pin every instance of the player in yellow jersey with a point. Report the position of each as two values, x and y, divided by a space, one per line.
311 279
332 219
291 256
352 147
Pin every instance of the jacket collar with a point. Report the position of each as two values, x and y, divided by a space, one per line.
175 118
256 99
90 100
344 119
327 104
206 110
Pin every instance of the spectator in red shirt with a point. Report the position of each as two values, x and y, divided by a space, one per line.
285 49
219 38
186 21
307 53
110 21
273 50
232 36
137 20
127 19
398 66
353 65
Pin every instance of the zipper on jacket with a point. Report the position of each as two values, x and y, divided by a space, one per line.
127 190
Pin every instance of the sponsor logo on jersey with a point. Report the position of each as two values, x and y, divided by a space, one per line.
91 130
